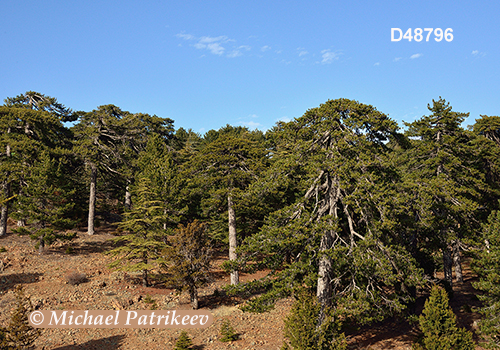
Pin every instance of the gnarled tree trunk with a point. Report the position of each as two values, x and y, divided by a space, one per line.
4 212
447 263
5 208
128 198
93 182
324 291
233 243
457 261
193 292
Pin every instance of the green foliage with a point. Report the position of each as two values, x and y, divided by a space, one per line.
19 334
226 165
47 201
187 259
184 342
441 185
487 266
158 163
37 101
152 302
227 332
335 229
144 238
302 330
439 327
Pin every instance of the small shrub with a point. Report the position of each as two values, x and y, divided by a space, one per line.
19 334
439 326
74 278
302 331
184 342
148 299
227 332
69 250
3 249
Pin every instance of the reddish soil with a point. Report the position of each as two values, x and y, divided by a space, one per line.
44 277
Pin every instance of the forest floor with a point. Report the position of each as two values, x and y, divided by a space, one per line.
44 277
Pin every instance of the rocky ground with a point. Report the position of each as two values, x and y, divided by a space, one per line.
45 279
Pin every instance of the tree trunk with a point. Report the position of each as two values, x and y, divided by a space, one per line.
457 261
233 244
324 290
4 212
93 181
41 244
194 297
128 198
145 282
21 222
5 209
447 263
165 223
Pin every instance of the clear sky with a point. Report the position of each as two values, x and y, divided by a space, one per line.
206 64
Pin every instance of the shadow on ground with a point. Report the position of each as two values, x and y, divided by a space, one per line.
114 342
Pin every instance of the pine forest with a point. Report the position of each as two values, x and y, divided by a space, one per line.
312 235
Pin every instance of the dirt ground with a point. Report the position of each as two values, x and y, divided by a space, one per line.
44 278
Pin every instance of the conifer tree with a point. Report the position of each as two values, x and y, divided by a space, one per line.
184 342
19 334
187 259
337 235
40 102
144 235
439 327
302 331
24 133
227 332
158 163
109 140
487 266
97 138
440 166
225 167
487 144
47 201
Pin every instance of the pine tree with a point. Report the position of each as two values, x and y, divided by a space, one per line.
109 140
158 163
24 133
144 238
302 330
487 266
227 332
19 334
40 102
187 259
439 327
184 342
98 135
444 182
47 201
337 234
224 168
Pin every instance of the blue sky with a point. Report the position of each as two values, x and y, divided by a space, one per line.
206 64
